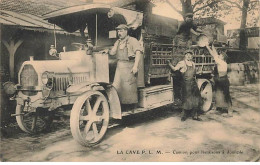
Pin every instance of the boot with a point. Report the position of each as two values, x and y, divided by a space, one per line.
195 115
219 110
230 112
184 115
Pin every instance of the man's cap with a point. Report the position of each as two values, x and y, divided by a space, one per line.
122 26
188 51
188 14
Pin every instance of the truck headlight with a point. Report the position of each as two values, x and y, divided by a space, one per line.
9 88
45 78
52 51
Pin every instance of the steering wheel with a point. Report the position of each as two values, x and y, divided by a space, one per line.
80 46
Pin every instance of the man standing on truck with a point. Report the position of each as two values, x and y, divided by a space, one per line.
129 53
185 31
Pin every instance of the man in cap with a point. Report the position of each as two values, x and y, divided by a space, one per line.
190 92
183 37
128 52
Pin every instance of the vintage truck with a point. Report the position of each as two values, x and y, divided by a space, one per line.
83 78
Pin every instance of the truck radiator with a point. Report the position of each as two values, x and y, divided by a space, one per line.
29 78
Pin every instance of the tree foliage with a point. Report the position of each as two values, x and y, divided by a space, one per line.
246 11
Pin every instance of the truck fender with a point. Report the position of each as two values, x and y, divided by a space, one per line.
110 94
81 87
205 87
200 81
114 103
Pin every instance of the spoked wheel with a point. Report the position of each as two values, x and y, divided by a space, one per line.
33 120
206 94
89 118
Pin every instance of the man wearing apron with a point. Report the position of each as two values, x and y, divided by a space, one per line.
223 98
183 38
190 91
128 52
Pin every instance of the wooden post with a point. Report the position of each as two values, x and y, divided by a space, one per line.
12 47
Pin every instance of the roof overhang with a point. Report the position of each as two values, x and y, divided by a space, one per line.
102 8
27 22
73 18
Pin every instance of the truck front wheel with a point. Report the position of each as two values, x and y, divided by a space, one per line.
89 118
33 120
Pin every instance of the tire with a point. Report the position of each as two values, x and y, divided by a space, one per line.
89 118
33 121
206 92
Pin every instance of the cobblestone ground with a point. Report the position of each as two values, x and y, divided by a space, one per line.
158 135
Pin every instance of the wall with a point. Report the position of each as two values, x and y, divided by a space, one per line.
34 44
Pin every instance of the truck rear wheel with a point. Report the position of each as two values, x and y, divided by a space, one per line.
89 118
33 120
206 93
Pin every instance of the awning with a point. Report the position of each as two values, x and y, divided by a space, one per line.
74 18
102 8
134 19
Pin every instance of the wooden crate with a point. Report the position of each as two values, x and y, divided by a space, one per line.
152 96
